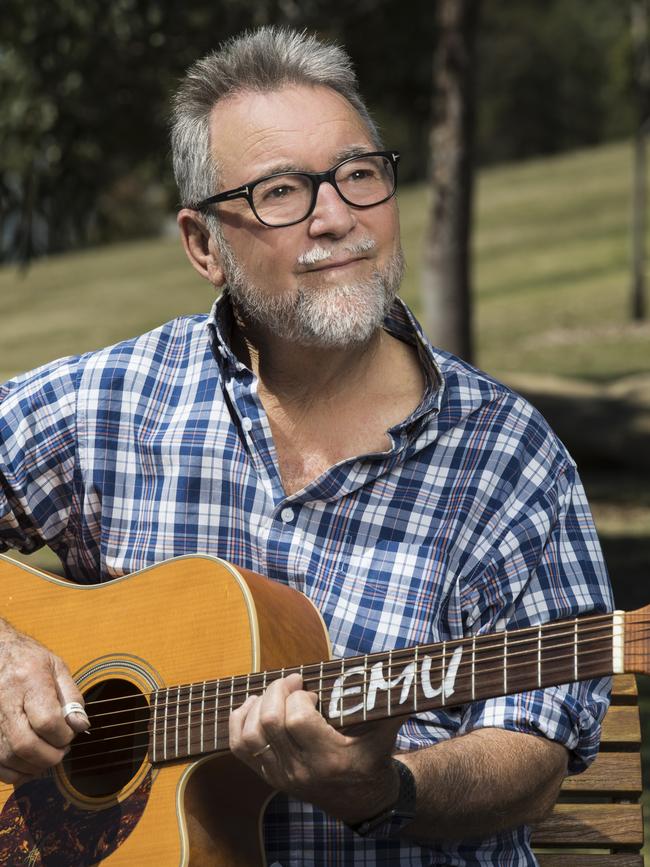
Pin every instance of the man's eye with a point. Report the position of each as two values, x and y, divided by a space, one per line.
361 174
282 191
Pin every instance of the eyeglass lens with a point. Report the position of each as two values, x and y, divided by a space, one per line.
287 198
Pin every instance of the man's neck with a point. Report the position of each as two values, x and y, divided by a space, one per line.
329 405
298 373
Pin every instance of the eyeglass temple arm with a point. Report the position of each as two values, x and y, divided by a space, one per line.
239 193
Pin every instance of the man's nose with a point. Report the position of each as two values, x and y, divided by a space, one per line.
331 215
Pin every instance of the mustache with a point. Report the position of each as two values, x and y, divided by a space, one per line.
321 254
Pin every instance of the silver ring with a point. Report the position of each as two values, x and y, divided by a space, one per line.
73 707
262 751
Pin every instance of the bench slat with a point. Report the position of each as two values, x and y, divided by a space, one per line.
621 727
570 859
615 773
624 689
589 825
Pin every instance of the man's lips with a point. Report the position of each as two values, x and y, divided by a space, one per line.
333 265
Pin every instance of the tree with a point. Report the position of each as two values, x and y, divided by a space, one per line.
447 266
639 22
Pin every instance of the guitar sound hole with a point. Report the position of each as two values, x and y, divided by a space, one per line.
103 762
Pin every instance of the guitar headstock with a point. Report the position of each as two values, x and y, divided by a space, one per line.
637 641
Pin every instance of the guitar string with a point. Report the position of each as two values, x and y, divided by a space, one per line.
80 764
85 758
514 662
335 669
462 677
222 714
146 733
566 629
252 683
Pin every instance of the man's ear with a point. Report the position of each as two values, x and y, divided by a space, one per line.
199 248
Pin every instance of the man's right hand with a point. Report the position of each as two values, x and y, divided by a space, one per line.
34 686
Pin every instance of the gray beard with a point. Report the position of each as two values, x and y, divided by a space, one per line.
336 316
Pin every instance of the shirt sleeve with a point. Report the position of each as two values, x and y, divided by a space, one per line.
547 565
37 456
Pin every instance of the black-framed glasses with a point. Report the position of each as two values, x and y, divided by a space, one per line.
286 198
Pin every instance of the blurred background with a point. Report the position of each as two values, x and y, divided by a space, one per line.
522 130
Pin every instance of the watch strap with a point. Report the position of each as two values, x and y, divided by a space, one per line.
391 821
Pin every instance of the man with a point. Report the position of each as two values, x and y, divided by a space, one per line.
311 433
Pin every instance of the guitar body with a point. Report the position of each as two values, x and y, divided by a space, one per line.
187 620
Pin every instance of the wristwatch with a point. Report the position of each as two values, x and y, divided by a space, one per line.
392 821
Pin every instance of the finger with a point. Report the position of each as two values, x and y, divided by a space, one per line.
24 751
24 767
68 692
42 711
272 712
237 721
304 725
13 778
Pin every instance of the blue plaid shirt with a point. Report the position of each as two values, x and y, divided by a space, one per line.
472 521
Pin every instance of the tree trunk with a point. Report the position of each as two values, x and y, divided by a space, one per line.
446 279
639 23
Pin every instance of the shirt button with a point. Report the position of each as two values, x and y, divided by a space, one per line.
286 515
246 424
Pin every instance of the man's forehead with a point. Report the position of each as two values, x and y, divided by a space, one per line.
285 129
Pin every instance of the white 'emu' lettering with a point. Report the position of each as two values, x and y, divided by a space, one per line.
377 682
448 684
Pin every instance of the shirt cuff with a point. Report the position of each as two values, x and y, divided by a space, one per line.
570 715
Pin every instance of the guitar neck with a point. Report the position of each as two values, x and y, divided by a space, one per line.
192 719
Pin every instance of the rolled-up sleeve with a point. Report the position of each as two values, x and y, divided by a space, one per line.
546 565
37 456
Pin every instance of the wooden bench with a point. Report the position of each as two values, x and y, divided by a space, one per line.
597 821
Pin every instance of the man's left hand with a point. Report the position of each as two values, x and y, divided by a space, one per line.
284 739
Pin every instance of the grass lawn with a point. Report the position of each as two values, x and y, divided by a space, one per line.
551 270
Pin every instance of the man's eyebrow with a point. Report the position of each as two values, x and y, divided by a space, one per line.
279 169
339 156
352 151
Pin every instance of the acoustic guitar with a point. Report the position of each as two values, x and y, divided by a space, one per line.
164 655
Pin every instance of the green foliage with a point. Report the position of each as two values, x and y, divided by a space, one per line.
552 76
84 90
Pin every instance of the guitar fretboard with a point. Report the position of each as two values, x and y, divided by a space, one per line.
192 719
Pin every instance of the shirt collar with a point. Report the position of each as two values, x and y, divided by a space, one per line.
400 322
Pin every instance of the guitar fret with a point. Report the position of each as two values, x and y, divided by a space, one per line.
178 710
189 721
202 714
156 696
365 687
505 662
389 691
216 713
443 671
248 684
539 657
473 667
575 648
165 725
320 687
415 681
341 700
232 692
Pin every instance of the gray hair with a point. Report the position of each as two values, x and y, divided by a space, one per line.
261 60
